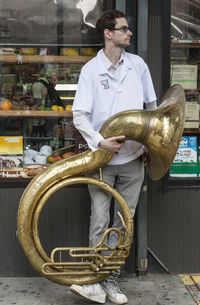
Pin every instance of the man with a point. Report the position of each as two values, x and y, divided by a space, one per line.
44 92
113 81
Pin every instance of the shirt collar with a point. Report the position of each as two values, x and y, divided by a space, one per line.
103 68
108 64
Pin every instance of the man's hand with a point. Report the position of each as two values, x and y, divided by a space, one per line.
143 157
112 144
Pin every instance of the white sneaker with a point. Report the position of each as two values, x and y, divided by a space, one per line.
92 292
113 292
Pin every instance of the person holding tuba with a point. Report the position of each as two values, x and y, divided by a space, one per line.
112 82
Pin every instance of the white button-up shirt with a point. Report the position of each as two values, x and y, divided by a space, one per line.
104 90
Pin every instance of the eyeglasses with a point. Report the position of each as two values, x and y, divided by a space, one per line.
123 29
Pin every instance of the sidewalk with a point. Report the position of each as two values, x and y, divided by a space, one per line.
152 289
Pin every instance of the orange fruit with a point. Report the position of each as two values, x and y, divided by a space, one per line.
51 159
54 158
5 105
54 108
57 157
68 154
60 108
68 108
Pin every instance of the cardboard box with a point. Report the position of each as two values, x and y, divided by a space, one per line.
11 153
80 145
185 75
4 174
185 161
28 171
191 115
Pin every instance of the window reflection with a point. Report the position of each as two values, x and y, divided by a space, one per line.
49 21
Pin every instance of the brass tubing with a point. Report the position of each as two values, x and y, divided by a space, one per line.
64 183
159 130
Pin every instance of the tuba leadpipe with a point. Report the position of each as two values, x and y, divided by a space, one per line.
159 130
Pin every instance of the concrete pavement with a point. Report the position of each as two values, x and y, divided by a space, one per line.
152 289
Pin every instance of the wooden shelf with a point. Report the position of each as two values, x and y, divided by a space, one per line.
191 131
34 114
185 45
44 59
192 89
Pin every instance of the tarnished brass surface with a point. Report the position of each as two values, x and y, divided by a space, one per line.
116 259
159 130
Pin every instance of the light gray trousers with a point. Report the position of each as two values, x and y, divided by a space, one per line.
127 179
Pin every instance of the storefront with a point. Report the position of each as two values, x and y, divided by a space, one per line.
43 42
52 40
173 202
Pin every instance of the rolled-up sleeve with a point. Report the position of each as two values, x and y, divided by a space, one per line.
82 123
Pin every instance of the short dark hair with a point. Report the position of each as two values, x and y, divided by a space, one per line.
107 21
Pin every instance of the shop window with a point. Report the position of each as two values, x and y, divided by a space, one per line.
49 21
43 46
185 70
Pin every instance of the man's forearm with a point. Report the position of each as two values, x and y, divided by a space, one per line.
82 123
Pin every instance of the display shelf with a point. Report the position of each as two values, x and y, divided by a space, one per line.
185 42
191 131
38 138
191 90
34 114
186 45
44 59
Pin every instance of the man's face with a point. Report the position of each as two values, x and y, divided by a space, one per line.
121 35
53 78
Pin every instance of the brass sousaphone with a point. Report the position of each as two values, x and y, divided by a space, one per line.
160 131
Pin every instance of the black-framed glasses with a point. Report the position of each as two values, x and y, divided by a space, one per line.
123 29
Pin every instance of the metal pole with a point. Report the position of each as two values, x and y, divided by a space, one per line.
141 231
121 5
142 32
141 215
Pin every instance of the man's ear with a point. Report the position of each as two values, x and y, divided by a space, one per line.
107 34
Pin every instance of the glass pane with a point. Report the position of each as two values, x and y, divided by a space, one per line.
185 19
43 46
185 70
49 21
45 125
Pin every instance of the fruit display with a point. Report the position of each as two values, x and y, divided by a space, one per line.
24 104
57 108
68 108
42 108
55 157
28 51
68 154
5 105
88 51
69 51
60 108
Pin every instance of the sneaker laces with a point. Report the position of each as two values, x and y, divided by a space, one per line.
91 288
113 285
